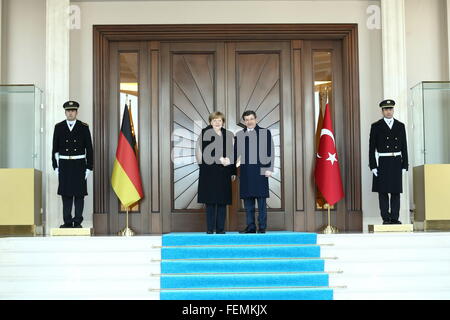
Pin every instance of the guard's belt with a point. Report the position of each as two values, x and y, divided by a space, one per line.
73 157
389 154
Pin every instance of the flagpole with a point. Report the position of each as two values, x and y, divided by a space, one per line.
329 229
126 232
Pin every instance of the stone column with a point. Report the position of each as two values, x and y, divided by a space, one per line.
395 85
56 93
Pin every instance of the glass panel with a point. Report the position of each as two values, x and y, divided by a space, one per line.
431 116
417 134
21 127
436 119
129 95
323 85
38 129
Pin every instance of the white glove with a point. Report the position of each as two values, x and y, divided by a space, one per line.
233 177
375 172
57 171
225 161
268 173
403 170
88 172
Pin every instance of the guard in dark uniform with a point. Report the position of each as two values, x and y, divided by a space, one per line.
388 138
72 158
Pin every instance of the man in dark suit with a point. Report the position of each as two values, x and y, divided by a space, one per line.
72 158
388 138
254 151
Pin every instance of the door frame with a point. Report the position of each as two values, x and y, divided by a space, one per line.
104 35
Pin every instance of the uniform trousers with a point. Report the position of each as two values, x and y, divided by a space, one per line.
68 201
394 202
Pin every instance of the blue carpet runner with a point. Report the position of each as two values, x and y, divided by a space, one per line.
233 266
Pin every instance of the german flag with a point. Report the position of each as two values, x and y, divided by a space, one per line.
126 178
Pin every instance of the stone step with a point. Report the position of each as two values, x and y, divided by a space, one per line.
74 286
79 244
395 267
79 258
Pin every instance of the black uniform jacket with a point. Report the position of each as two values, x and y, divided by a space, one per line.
72 143
214 185
386 140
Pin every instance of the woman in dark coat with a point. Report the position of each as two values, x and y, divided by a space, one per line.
217 170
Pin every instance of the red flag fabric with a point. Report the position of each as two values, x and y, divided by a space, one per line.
126 179
327 172
320 200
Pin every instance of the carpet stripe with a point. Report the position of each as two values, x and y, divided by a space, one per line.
275 237
245 280
249 294
241 266
240 252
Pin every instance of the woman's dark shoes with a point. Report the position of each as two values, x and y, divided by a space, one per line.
209 232
262 231
220 232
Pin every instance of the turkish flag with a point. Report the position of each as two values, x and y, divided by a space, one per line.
327 172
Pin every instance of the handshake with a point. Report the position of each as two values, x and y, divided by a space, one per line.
225 161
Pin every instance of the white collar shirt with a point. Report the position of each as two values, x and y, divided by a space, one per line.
71 124
389 122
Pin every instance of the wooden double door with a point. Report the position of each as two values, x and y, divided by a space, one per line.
178 84
231 77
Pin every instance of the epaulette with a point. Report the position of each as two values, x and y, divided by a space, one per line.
84 123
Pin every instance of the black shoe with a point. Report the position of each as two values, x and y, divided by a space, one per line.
387 222
262 231
77 225
209 232
220 232
66 225
395 222
247 231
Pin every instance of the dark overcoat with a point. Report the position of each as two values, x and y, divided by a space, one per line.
77 142
214 184
385 140
257 154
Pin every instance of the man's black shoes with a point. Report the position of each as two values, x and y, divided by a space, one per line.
391 222
66 225
77 225
247 231
262 231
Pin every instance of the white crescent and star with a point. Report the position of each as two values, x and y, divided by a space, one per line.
331 157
